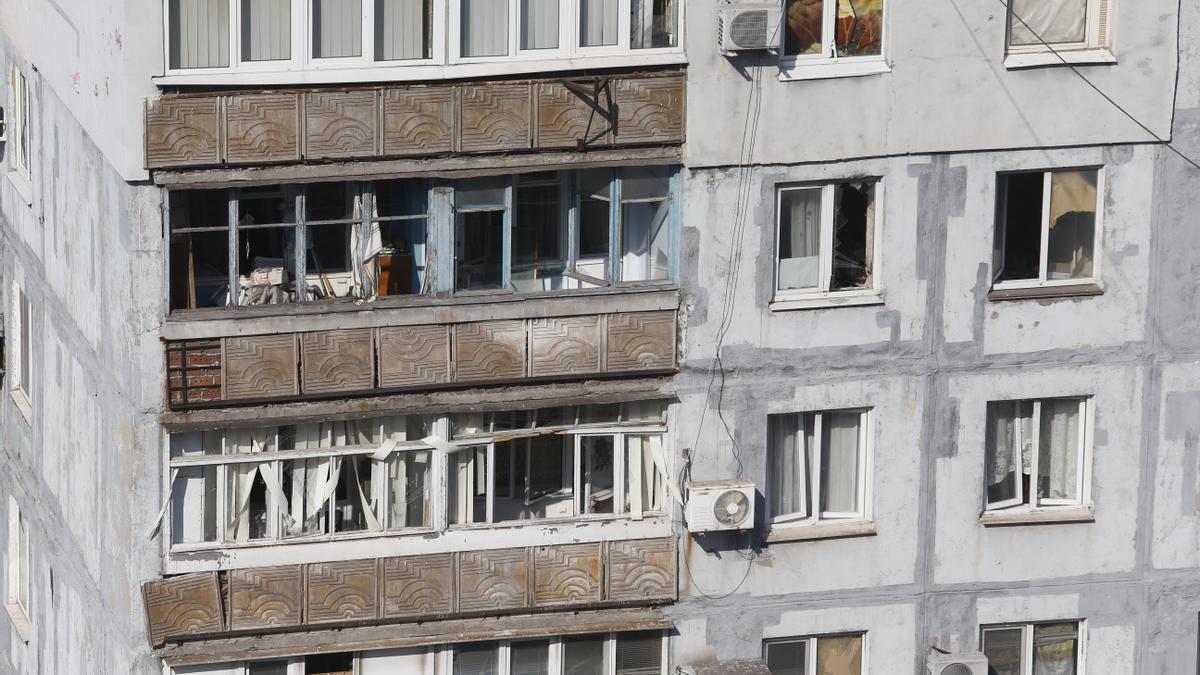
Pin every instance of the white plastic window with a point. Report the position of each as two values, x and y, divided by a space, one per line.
17 600
1037 453
19 143
1047 228
1034 648
818 466
824 654
825 239
823 32
1061 25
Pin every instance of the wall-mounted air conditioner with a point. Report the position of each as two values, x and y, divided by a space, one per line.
749 27
718 505
958 664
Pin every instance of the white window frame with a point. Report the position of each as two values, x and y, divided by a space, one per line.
19 134
1083 487
828 64
810 648
866 451
803 297
1097 33
19 561
1027 641
21 351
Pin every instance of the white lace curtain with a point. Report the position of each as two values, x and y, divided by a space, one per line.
1054 21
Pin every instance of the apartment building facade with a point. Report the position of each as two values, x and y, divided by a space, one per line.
411 331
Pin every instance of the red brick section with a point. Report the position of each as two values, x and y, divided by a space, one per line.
193 372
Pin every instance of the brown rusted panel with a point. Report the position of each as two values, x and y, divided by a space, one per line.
641 341
493 580
268 597
260 366
261 128
566 575
418 121
185 605
563 119
495 117
489 350
565 346
650 110
418 586
341 591
182 132
339 124
411 356
641 570
337 361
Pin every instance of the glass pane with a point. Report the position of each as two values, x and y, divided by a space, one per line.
639 653
1052 21
598 22
595 218
401 198
408 489
858 30
583 655
853 235
1070 242
22 563
787 658
194 505
530 658
265 206
644 484
266 30
539 24
645 241
477 659
400 260
839 462
1054 649
196 443
599 413
642 183
267 668
199 270
331 201
247 508
468 486
653 24
484 27
199 208
199 33
337 28
353 496
535 478
1018 239
839 655
1003 649
330 268
597 483
539 238
329 664
803 24
403 29
786 491
304 483
1009 445
1058 450
799 238
479 193
480 263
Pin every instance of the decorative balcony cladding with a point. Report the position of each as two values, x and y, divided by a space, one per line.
367 361
414 588
239 128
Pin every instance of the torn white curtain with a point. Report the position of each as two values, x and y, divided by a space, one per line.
1054 21
786 482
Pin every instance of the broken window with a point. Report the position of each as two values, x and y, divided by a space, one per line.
1033 648
826 239
482 206
824 654
329 664
817 466
399 226
1046 228
20 122
1036 453
539 233
1061 25
831 30
645 224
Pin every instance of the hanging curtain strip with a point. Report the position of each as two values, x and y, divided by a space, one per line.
660 462
162 512
372 521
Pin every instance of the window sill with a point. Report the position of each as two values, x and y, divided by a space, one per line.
20 620
1083 289
825 530
827 70
1074 57
23 185
24 405
826 300
1068 514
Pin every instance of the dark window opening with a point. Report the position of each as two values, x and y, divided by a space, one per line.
1019 226
853 235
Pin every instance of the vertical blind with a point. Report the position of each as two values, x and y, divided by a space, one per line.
337 28
199 33
597 22
539 24
484 27
402 29
266 30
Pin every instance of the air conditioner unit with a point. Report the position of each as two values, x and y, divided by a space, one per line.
749 27
958 664
718 505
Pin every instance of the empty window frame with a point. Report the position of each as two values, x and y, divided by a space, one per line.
1038 453
817 655
566 230
825 238
18 122
1034 648
818 466
17 600
21 374
1047 228
829 31
1058 25
322 241
342 663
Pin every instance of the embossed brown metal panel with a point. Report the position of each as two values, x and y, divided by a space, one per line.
640 341
337 361
418 586
650 110
495 117
183 605
565 346
489 350
339 124
413 355
492 580
566 575
418 121
260 366
261 128
268 597
341 591
563 119
182 132
641 570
